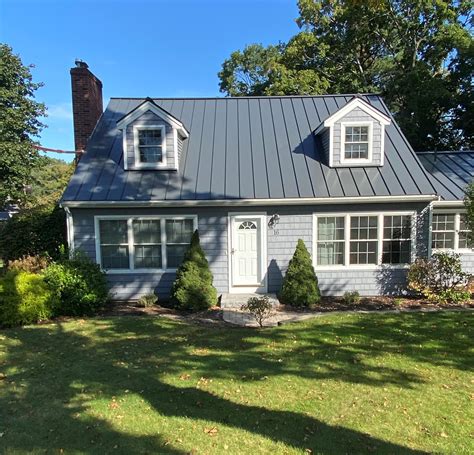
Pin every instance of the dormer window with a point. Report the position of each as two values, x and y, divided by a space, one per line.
150 145
357 142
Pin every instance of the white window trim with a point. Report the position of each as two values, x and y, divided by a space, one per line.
370 138
457 224
131 245
136 150
346 216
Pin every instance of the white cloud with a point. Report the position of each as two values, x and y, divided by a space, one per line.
61 111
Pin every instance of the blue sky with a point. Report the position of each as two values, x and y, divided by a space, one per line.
137 48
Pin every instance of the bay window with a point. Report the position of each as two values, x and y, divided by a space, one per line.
143 243
354 240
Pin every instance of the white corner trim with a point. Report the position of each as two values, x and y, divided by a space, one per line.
253 202
69 229
351 105
136 149
149 106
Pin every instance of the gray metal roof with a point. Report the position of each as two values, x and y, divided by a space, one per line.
244 148
450 171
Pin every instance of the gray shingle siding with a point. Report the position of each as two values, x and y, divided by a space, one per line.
295 222
150 118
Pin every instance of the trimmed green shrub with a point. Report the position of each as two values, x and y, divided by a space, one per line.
80 285
193 289
147 300
300 285
259 307
25 298
440 279
351 297
33 232
33 264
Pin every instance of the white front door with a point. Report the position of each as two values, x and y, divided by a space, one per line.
246 251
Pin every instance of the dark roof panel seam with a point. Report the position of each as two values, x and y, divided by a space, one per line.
187 152
213 149
252 167
264 148
276 145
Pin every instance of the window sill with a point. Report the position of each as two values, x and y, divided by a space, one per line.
152 167
137 271
361 267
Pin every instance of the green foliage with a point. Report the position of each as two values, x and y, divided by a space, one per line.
418 55
25 298
31 232
398 301
351 297
19 124
469 203
48 182
193 289
440 279
300 285
33 264
259 307
147 300
80 285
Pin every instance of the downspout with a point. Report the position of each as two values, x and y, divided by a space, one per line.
69 230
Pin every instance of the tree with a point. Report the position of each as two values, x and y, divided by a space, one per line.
418 55
193 289
300 285
19 125
48 182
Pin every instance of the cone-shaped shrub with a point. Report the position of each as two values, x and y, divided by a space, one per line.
193 289
300 285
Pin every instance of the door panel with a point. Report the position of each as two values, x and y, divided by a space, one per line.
245 252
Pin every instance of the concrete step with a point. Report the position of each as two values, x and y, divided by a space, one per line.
229 301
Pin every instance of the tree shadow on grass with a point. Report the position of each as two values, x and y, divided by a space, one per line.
59 370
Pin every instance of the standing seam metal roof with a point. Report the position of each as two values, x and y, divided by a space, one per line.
244 148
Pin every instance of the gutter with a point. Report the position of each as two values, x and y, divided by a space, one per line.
251 202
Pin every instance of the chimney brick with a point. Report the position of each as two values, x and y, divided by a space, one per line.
86 103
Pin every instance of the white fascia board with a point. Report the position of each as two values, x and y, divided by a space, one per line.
447 204
149 106
251 202
356 103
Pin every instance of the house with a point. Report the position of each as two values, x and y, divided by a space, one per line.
254 175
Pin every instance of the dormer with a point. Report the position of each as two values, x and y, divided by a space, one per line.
354 135
152 138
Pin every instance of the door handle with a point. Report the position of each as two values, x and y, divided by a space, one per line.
232 251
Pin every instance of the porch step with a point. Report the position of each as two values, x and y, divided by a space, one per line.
235 301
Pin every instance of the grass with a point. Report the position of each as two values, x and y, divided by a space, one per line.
372 383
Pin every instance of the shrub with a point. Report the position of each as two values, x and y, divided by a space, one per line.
147 300
33 264
33 232
80 285
25 298
193 289
259 307
300 285
351 297
439 279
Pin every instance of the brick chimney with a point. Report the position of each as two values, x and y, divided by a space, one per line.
86 103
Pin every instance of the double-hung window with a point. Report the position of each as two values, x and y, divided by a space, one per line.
150 145
449 231
143 243
353 239
356 140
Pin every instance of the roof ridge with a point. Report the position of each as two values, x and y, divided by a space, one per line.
241 97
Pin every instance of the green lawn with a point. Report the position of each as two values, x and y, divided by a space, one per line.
371 383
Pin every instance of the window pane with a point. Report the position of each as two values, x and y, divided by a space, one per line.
114 256
443 222
147 231
179 231
356 151
396 252
363 227
113 231
330 253
463 222
464 240
397 227
442 240
331 228
175 255
150 154
147 256
149 137
363 253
